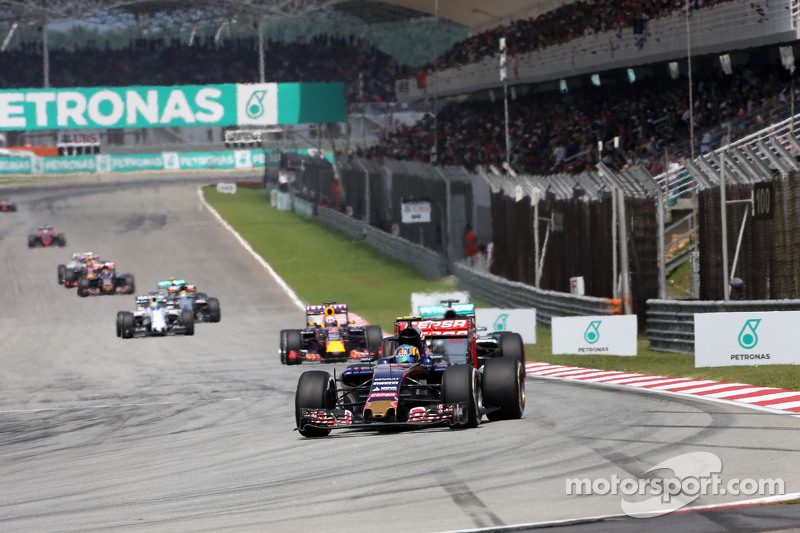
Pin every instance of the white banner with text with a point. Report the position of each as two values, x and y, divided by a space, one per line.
605 335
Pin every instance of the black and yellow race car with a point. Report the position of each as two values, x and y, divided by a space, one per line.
416 385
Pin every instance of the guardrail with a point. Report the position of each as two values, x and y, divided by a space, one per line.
501 292
670 323
417 256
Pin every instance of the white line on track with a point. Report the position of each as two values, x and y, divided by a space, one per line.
279 280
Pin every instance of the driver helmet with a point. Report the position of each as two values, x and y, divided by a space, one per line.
330 321
153 304
406 354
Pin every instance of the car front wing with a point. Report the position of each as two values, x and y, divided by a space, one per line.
429 415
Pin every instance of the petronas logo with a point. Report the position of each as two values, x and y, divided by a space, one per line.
592 333
500 323
748 337
255 105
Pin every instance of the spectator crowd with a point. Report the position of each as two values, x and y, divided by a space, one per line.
157 61
549 131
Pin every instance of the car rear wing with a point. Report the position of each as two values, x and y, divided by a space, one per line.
438 311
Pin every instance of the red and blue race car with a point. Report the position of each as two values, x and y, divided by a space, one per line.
433 377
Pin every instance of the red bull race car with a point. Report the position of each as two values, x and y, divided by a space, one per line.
46 236
433 377
80 265
330 335
105 280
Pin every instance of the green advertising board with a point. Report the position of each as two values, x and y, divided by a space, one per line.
256 104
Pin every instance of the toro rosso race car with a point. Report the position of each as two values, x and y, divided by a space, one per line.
154 316
105 280
205 308
415 386
80 265
7 206
330 335
46 236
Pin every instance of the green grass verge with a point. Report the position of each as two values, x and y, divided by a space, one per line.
320 264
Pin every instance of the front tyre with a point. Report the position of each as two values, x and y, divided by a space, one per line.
461 384
62 274
504 388
316 389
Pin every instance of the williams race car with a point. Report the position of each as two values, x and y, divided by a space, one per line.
80 265
105 280
46 236
415 386
154 316
330 335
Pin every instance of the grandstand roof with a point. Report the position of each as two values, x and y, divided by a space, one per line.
473 14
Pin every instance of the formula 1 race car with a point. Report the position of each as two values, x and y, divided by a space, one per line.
416 386
205 308
330 335
105 280
154 316
7 206
46 236
80 265
488 345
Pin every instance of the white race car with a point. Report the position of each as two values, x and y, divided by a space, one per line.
154 316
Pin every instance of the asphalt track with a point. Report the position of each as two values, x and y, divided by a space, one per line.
196 433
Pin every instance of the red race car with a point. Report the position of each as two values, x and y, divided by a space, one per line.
6 205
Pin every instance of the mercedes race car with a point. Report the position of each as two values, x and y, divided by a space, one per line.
154 316
330 335
415 386
80 265
46 236
7 206
105 280
205 308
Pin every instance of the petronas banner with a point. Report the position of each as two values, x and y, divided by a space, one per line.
258 104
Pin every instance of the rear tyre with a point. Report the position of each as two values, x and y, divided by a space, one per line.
128 324
504 387
129 283
214 312
294 341
316 389
187 319
61 241
282 348
461 383
62 274
31 241
83 286
388 346
512 347
374 336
